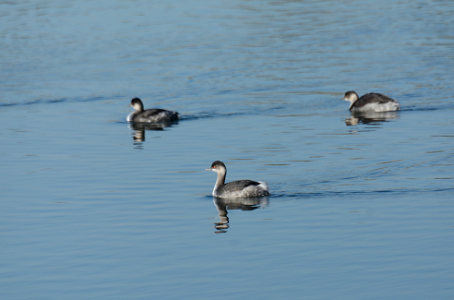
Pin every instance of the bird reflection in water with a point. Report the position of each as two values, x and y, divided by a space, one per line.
139 129
371 118
223 205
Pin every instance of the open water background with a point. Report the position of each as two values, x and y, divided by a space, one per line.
360 209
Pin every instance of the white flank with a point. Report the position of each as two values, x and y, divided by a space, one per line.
248 192
378 107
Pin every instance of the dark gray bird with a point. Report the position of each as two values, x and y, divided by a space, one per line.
154 115
371 102
236 189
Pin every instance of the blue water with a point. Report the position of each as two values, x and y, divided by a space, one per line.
359 209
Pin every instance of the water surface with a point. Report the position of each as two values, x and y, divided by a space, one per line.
360 207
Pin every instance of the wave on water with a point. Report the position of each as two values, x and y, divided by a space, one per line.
216 114
59 100
353 192
427 108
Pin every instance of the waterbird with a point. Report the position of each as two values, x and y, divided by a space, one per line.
236 189
371 102
154 115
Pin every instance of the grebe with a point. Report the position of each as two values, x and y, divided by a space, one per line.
236 189
154 115
371 102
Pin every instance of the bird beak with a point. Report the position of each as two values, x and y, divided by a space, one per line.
209 169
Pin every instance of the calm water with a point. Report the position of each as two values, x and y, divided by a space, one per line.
360 209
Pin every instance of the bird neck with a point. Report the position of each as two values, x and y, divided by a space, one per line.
138 107
221 179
